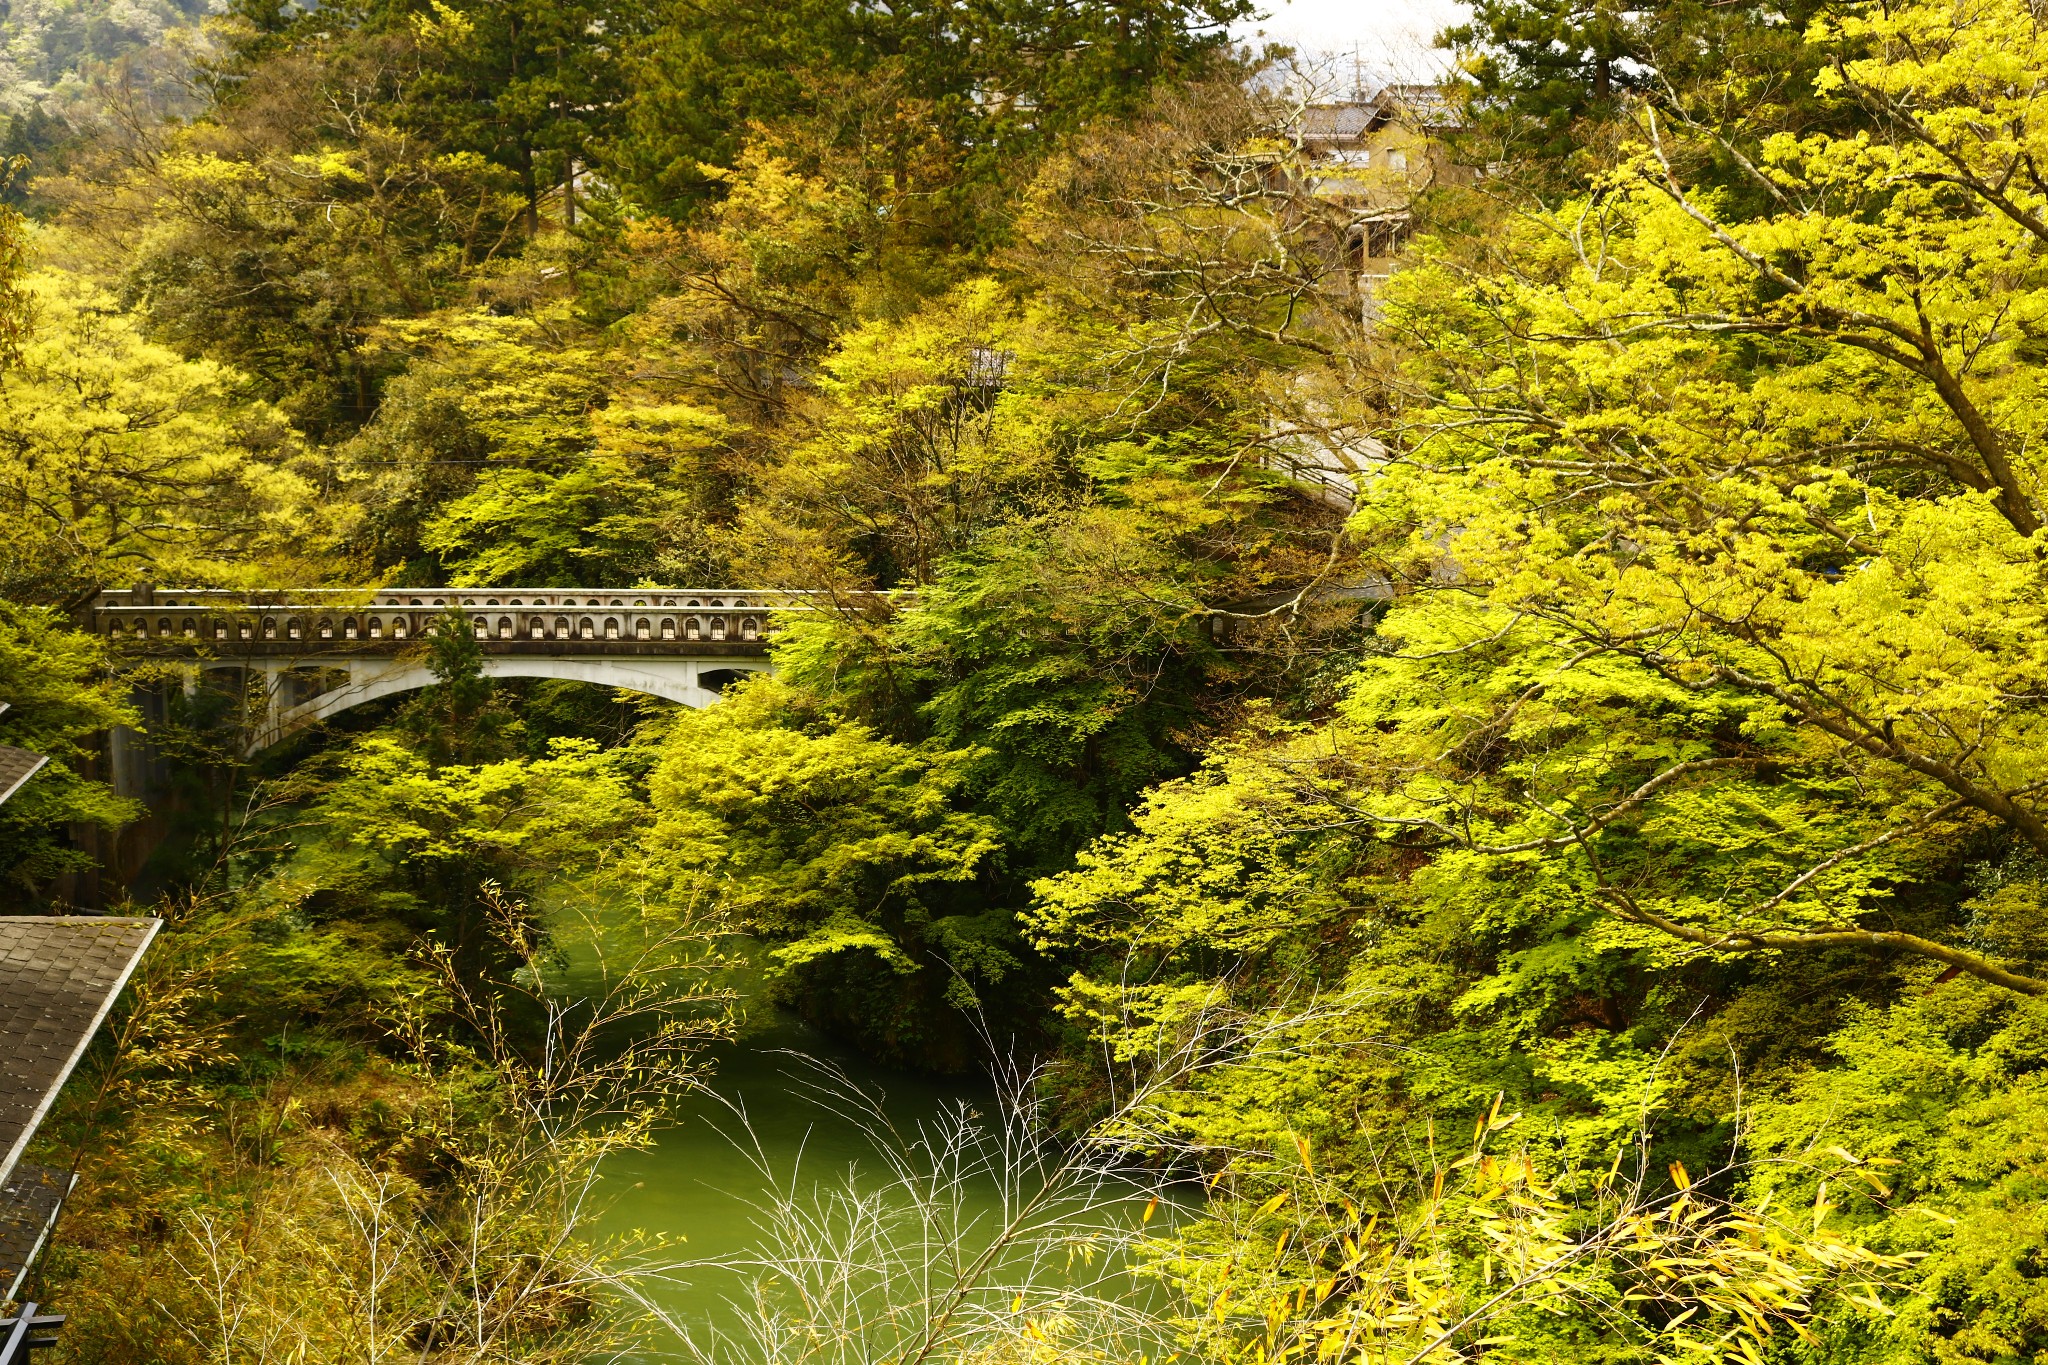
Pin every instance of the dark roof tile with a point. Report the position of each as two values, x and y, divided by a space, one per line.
16 767
58 978
28 1207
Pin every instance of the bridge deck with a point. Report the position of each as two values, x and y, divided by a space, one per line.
320 651
552 621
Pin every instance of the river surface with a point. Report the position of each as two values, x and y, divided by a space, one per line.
707 1175
790 1119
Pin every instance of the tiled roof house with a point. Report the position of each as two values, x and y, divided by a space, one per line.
59 977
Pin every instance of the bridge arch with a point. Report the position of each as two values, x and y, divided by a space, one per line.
687 682
318 652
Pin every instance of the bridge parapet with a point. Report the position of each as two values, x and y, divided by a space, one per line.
556 621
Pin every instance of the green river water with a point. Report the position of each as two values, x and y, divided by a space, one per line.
704 1177
770 1121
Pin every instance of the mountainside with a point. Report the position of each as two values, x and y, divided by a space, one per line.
49 49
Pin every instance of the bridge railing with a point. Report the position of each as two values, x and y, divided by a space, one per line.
568 618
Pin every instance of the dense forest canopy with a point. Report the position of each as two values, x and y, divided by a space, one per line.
1531 628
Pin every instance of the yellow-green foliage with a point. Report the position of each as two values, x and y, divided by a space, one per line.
393 833
120 459
519 450
329 1141
1694 778
1648 756
850 854
58 702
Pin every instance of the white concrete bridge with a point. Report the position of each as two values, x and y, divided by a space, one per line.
320 652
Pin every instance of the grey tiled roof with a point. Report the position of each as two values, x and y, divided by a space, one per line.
1421 107
16 767
1325 121
58 977
28 1206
